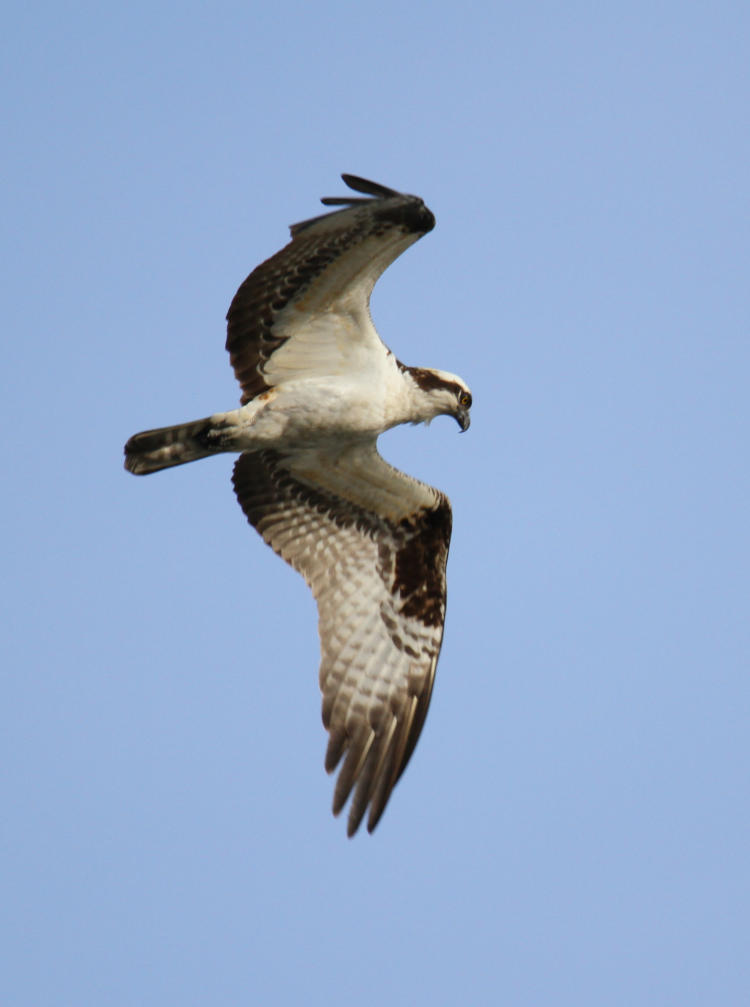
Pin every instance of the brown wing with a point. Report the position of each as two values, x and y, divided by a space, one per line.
372 544
330 265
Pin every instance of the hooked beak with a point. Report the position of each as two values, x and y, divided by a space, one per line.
463 419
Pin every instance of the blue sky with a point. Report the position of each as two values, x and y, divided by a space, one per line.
573 828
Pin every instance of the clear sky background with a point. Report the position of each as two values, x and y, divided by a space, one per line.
573 828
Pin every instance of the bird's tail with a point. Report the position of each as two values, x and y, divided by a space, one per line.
153 450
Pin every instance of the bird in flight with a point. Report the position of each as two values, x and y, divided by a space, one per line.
318 388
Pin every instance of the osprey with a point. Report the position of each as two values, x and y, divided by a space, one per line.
318 388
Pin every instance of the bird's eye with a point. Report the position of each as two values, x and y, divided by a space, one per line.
464 400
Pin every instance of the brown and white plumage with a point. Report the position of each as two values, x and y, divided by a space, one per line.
319 386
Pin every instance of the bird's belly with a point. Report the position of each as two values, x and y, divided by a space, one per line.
308 415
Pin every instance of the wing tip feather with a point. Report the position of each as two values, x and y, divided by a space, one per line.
409 210
359 184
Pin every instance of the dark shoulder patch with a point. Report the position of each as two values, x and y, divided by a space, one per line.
419 564
408 212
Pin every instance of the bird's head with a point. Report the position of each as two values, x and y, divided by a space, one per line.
439 393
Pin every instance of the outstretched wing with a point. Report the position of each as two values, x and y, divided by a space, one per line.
305 310
372 543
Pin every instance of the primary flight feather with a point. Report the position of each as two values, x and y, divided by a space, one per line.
318 388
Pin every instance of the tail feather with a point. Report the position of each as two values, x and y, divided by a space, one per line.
153 450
